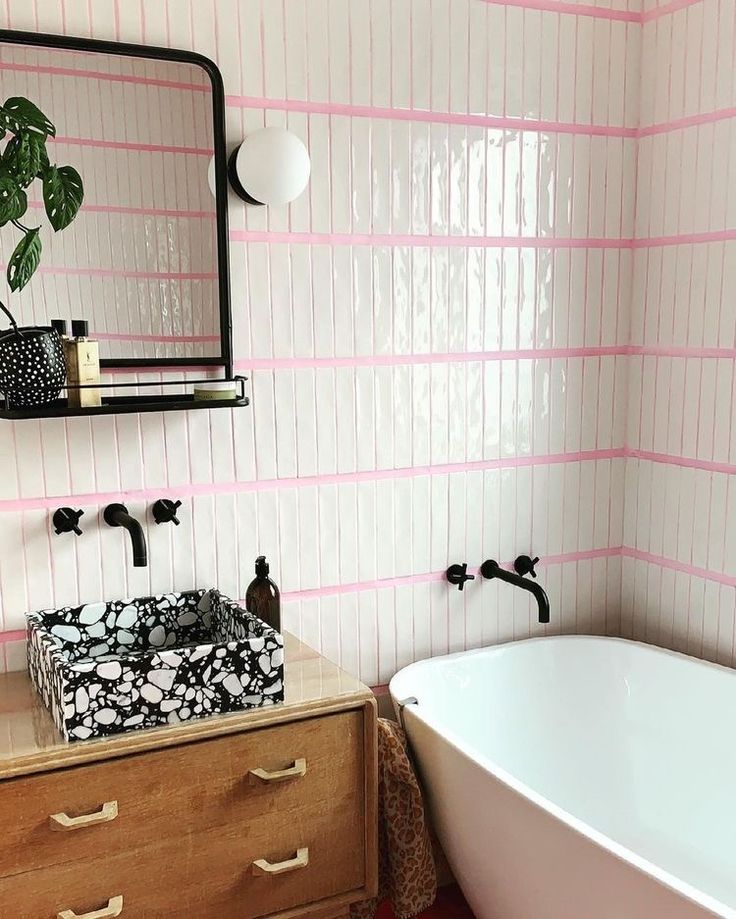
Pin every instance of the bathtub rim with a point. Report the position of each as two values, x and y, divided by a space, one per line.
618 850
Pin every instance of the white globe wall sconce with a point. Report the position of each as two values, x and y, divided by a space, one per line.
271 166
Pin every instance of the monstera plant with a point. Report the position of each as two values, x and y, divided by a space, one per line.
32 369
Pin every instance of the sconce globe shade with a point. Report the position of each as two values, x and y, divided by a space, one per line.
271 166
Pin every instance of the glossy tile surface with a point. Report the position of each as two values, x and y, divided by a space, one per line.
679 569
439 333
435 332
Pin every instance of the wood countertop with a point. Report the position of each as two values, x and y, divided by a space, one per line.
29 741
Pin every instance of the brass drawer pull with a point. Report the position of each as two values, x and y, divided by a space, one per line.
105 814
282 775
114 908
300 860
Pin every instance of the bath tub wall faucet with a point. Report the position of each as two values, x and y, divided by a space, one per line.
164 511
524 564
458 575
491 569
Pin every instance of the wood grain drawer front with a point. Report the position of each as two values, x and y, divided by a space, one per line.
207 878
203 798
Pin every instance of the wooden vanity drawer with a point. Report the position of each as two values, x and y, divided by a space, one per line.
200 797
205 877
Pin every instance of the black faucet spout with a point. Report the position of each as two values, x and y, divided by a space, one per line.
491 569
116 515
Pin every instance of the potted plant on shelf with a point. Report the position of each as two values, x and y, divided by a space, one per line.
32 369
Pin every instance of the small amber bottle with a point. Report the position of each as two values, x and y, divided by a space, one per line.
262 598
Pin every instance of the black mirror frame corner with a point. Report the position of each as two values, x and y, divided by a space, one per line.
73 43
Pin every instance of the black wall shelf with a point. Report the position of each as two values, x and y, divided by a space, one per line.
119 405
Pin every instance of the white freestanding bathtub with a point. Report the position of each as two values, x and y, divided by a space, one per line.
580 778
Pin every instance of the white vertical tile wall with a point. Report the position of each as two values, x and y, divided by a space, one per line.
437 333
679 565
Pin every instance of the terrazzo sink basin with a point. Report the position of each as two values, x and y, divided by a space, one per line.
107 668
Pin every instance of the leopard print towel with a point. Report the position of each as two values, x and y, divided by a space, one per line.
406 872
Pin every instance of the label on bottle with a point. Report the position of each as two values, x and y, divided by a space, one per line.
83 367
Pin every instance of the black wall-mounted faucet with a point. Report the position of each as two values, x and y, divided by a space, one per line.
116 515
164 511
66 520
524 564
458 575
491 569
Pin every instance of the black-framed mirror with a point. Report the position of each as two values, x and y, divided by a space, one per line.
146 260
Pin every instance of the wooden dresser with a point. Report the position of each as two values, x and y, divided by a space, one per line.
264 813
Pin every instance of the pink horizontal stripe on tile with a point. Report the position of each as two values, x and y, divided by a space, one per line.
672 7
585 555
485 242
143 211
684 239
17 635
398 239
123 273
433 576
682 567
684 351
688 121
125 336
521 354
572 9
686 462
359 586
335 478
452 357
131 145
428 117
101 75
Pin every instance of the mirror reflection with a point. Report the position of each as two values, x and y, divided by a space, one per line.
139 263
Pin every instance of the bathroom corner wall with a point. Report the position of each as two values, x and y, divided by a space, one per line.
436 332
679 570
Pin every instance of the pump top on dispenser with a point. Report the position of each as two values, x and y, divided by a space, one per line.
262 598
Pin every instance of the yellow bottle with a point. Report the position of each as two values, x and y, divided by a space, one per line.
82 366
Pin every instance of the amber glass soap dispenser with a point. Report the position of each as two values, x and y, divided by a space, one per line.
262 599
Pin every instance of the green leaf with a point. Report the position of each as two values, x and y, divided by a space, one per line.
43 159
13 200
8 122
24 261
28 115
25 156
63 194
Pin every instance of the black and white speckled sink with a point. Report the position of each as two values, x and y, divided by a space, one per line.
107 668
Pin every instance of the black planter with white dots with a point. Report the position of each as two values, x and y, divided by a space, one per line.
32 366
108 668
